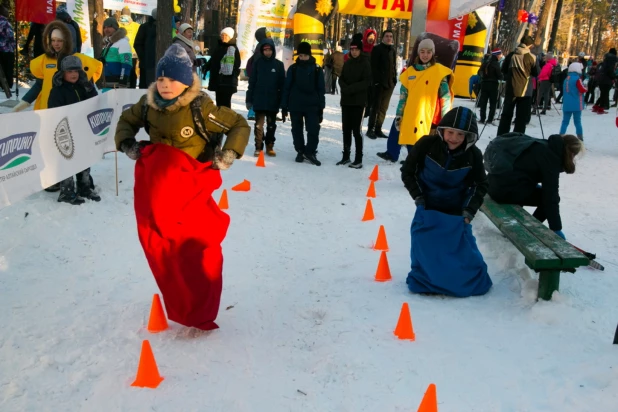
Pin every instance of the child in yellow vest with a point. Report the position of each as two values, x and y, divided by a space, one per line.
430 98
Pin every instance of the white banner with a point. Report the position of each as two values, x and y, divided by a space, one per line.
463 7
43 147
78 9
136 6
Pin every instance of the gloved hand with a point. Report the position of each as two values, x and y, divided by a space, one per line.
248 105
467 215
419 201
398 123
20 106
559 233
133 148
223 159
284 114
321 116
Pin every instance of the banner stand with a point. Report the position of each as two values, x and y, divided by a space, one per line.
116 161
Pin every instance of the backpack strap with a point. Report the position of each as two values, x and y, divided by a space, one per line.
213 140
145 117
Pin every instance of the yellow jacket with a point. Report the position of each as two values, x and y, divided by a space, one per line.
131 27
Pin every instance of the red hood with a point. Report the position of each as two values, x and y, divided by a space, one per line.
366 46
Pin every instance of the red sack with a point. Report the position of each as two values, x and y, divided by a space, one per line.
181 229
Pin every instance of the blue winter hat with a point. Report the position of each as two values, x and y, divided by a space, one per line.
176 65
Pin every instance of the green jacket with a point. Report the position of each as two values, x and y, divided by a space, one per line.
174 124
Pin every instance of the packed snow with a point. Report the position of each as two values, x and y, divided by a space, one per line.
304 326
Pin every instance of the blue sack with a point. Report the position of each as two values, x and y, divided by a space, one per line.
445 258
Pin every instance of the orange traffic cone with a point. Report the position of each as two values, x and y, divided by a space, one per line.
374 174
381 242
404 329
223 204
158 321
430 400
371 192
147 371
260 161
368 211
383 273
245 186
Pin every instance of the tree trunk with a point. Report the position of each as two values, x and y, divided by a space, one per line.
165 12
95 11
541 27
570 36
600 30
186 11
590 25
406 40
554 28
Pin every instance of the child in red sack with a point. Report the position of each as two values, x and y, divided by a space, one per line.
179 224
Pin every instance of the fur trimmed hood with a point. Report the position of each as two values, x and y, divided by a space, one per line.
67 47
183 100
118 34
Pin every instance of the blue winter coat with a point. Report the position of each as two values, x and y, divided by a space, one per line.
573 100
303 91
266 82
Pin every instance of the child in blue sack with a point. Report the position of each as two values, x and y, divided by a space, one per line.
574 92
445 176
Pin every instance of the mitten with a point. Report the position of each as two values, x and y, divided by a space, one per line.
133 148
559 233
223 159
419 201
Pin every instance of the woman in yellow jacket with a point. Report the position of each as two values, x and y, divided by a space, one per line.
426 95
56 41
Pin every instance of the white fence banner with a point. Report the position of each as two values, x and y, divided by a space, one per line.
458 8
43 147
136 6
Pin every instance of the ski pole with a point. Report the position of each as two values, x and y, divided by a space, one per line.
556 107
538 113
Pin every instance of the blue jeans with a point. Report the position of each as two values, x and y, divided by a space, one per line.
577 119
393 148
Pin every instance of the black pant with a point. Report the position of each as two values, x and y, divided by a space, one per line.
489 92
83 183
381 99
524 108
310 120
146 77
545 94
352 121
224 98
271 127
133 80
334 89
7 61
603 100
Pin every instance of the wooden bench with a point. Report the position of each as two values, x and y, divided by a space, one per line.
545 252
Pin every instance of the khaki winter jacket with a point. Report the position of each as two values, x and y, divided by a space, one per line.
174 125
523 66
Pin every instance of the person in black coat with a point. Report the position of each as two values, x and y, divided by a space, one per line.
264 95
355 81
303 97
384 74
35 35
145 48
491 74
526 171
224 76
70 86
606 73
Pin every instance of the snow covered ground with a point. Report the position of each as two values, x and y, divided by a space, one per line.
303 325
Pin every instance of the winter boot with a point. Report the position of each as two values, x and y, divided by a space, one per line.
258 149
71 198
312 159
378 132
371 134
53 188
300 158
270 151
88 193
580 137
386 156
358 161
346 157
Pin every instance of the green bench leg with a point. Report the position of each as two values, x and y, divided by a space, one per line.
549 281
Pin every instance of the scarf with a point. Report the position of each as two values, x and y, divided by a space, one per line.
163 103
227 62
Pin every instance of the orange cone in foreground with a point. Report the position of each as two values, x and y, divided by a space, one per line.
383 273
245 186
374 174
147 371
381 242
404 329
260 161
371 192
430 400
223 204
158 320
368 211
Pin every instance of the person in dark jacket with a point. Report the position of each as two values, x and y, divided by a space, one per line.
224 67
605 79
145 48
592 72
491 75
445 176
526 171
354 81
264 96
261 35
35 35
303 97
184 38
64 16
70 86
384 75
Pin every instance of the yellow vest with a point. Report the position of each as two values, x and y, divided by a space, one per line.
44 67
423 87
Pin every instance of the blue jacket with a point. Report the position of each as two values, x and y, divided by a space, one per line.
303 91
573 100
266 81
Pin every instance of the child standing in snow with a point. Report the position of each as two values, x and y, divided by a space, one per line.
71 85
180 226
445 176
574 92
